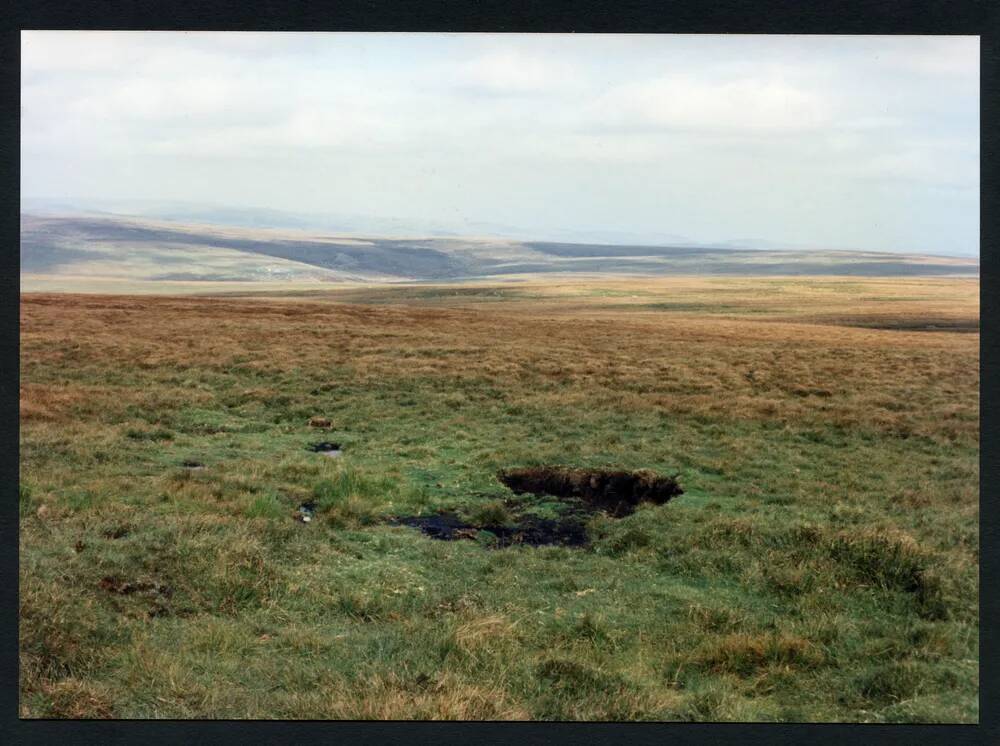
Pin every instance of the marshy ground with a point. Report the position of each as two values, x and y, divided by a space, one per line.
821 563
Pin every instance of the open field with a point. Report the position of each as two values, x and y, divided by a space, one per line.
820 565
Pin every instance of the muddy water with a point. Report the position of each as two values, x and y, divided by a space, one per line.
584 491
530 531
330 450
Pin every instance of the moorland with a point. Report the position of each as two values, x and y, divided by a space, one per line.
184 553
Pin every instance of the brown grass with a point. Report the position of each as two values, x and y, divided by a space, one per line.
778 366
757 594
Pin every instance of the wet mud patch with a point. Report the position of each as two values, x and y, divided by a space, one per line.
617 493
116 532
910 323
159 594
121 587
530 531
326 448
305 512
579 493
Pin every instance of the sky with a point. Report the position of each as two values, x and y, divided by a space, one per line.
849 142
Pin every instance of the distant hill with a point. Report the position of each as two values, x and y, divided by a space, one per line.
141 249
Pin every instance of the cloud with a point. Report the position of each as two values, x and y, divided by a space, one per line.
545 129
938 56
516 72
936 165
684 102
302 130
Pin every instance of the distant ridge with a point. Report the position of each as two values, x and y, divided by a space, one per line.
143 249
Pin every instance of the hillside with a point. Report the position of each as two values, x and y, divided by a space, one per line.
95 248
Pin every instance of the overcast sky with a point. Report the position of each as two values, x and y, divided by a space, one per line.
840 142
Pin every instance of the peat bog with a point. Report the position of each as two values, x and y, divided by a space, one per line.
582 491
822 564
529 531
325 448
616 492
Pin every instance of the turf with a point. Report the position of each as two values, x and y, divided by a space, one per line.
821 564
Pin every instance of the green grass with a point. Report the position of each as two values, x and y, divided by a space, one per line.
811 571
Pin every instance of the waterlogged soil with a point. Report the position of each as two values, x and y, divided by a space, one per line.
326 448
306 511
583 492
122 587
530 531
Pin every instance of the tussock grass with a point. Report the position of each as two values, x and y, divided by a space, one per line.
822 563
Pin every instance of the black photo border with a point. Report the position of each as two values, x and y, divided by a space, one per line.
964 17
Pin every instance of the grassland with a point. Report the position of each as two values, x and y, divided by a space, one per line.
822 564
